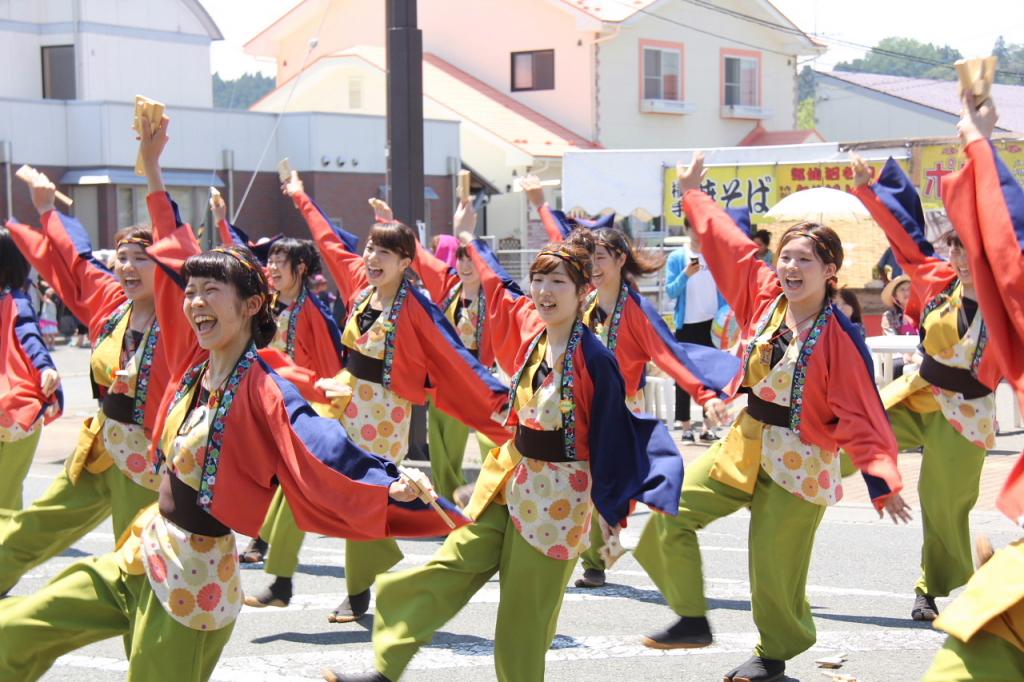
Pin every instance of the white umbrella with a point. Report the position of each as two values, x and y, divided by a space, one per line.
819 204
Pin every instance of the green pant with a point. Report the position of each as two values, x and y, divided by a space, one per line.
413 604
94 600
365 560
591 559
986 658
781 537
65 513
447 439
15 461
948 488
284 537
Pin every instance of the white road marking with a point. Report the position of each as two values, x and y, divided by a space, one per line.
305 666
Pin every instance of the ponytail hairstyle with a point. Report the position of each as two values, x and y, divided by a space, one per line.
575 257
638 261
13 266
827 246
583 237
299 252
237 266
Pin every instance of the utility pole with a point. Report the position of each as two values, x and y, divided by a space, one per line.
405 111
405 145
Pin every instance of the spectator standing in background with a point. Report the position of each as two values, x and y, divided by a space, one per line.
763 238
697 301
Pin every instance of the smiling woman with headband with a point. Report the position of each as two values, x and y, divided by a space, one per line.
811 391
398 352
576 447
106 474
229 432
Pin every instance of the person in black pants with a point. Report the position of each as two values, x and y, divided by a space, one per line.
697 301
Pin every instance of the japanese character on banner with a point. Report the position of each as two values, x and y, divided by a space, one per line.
757 194
677 204
731 192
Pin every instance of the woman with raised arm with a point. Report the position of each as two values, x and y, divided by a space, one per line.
630 326
947 406
229 431
985 622
106 474
456 290
810 391
30 392
310 342
399 350
576 447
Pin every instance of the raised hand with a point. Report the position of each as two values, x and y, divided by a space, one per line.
976 124
861 170
293 186
465 217
43 193
152 142
217 207
534 191
382 213
691 177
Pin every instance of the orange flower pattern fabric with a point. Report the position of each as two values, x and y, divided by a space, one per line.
466 323
549 502
973 418
376 418
128 446
195 577
805 470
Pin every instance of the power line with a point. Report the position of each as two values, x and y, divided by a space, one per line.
792 30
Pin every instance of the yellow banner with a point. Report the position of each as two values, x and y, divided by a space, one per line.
935 161
759 187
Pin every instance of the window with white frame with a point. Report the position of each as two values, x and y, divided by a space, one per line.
742 81
663 73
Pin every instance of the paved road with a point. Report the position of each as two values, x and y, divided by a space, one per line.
860 586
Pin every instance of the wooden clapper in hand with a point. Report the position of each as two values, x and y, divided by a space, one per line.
421 486
146 108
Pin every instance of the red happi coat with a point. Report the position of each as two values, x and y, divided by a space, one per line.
317 350
269 435
895 206
23 357
427 358
442 282
835 403
986 206
62 254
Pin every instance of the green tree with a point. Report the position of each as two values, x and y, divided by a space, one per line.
1011 62
806 83
241 92
906 57
805 114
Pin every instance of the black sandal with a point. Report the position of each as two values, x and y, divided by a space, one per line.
689 632
592 577
353 608
278 594
255 552
924 608
757 669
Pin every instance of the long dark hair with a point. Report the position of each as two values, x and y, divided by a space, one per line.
299 252
827 245
13 266
237 266
638 261
850 299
